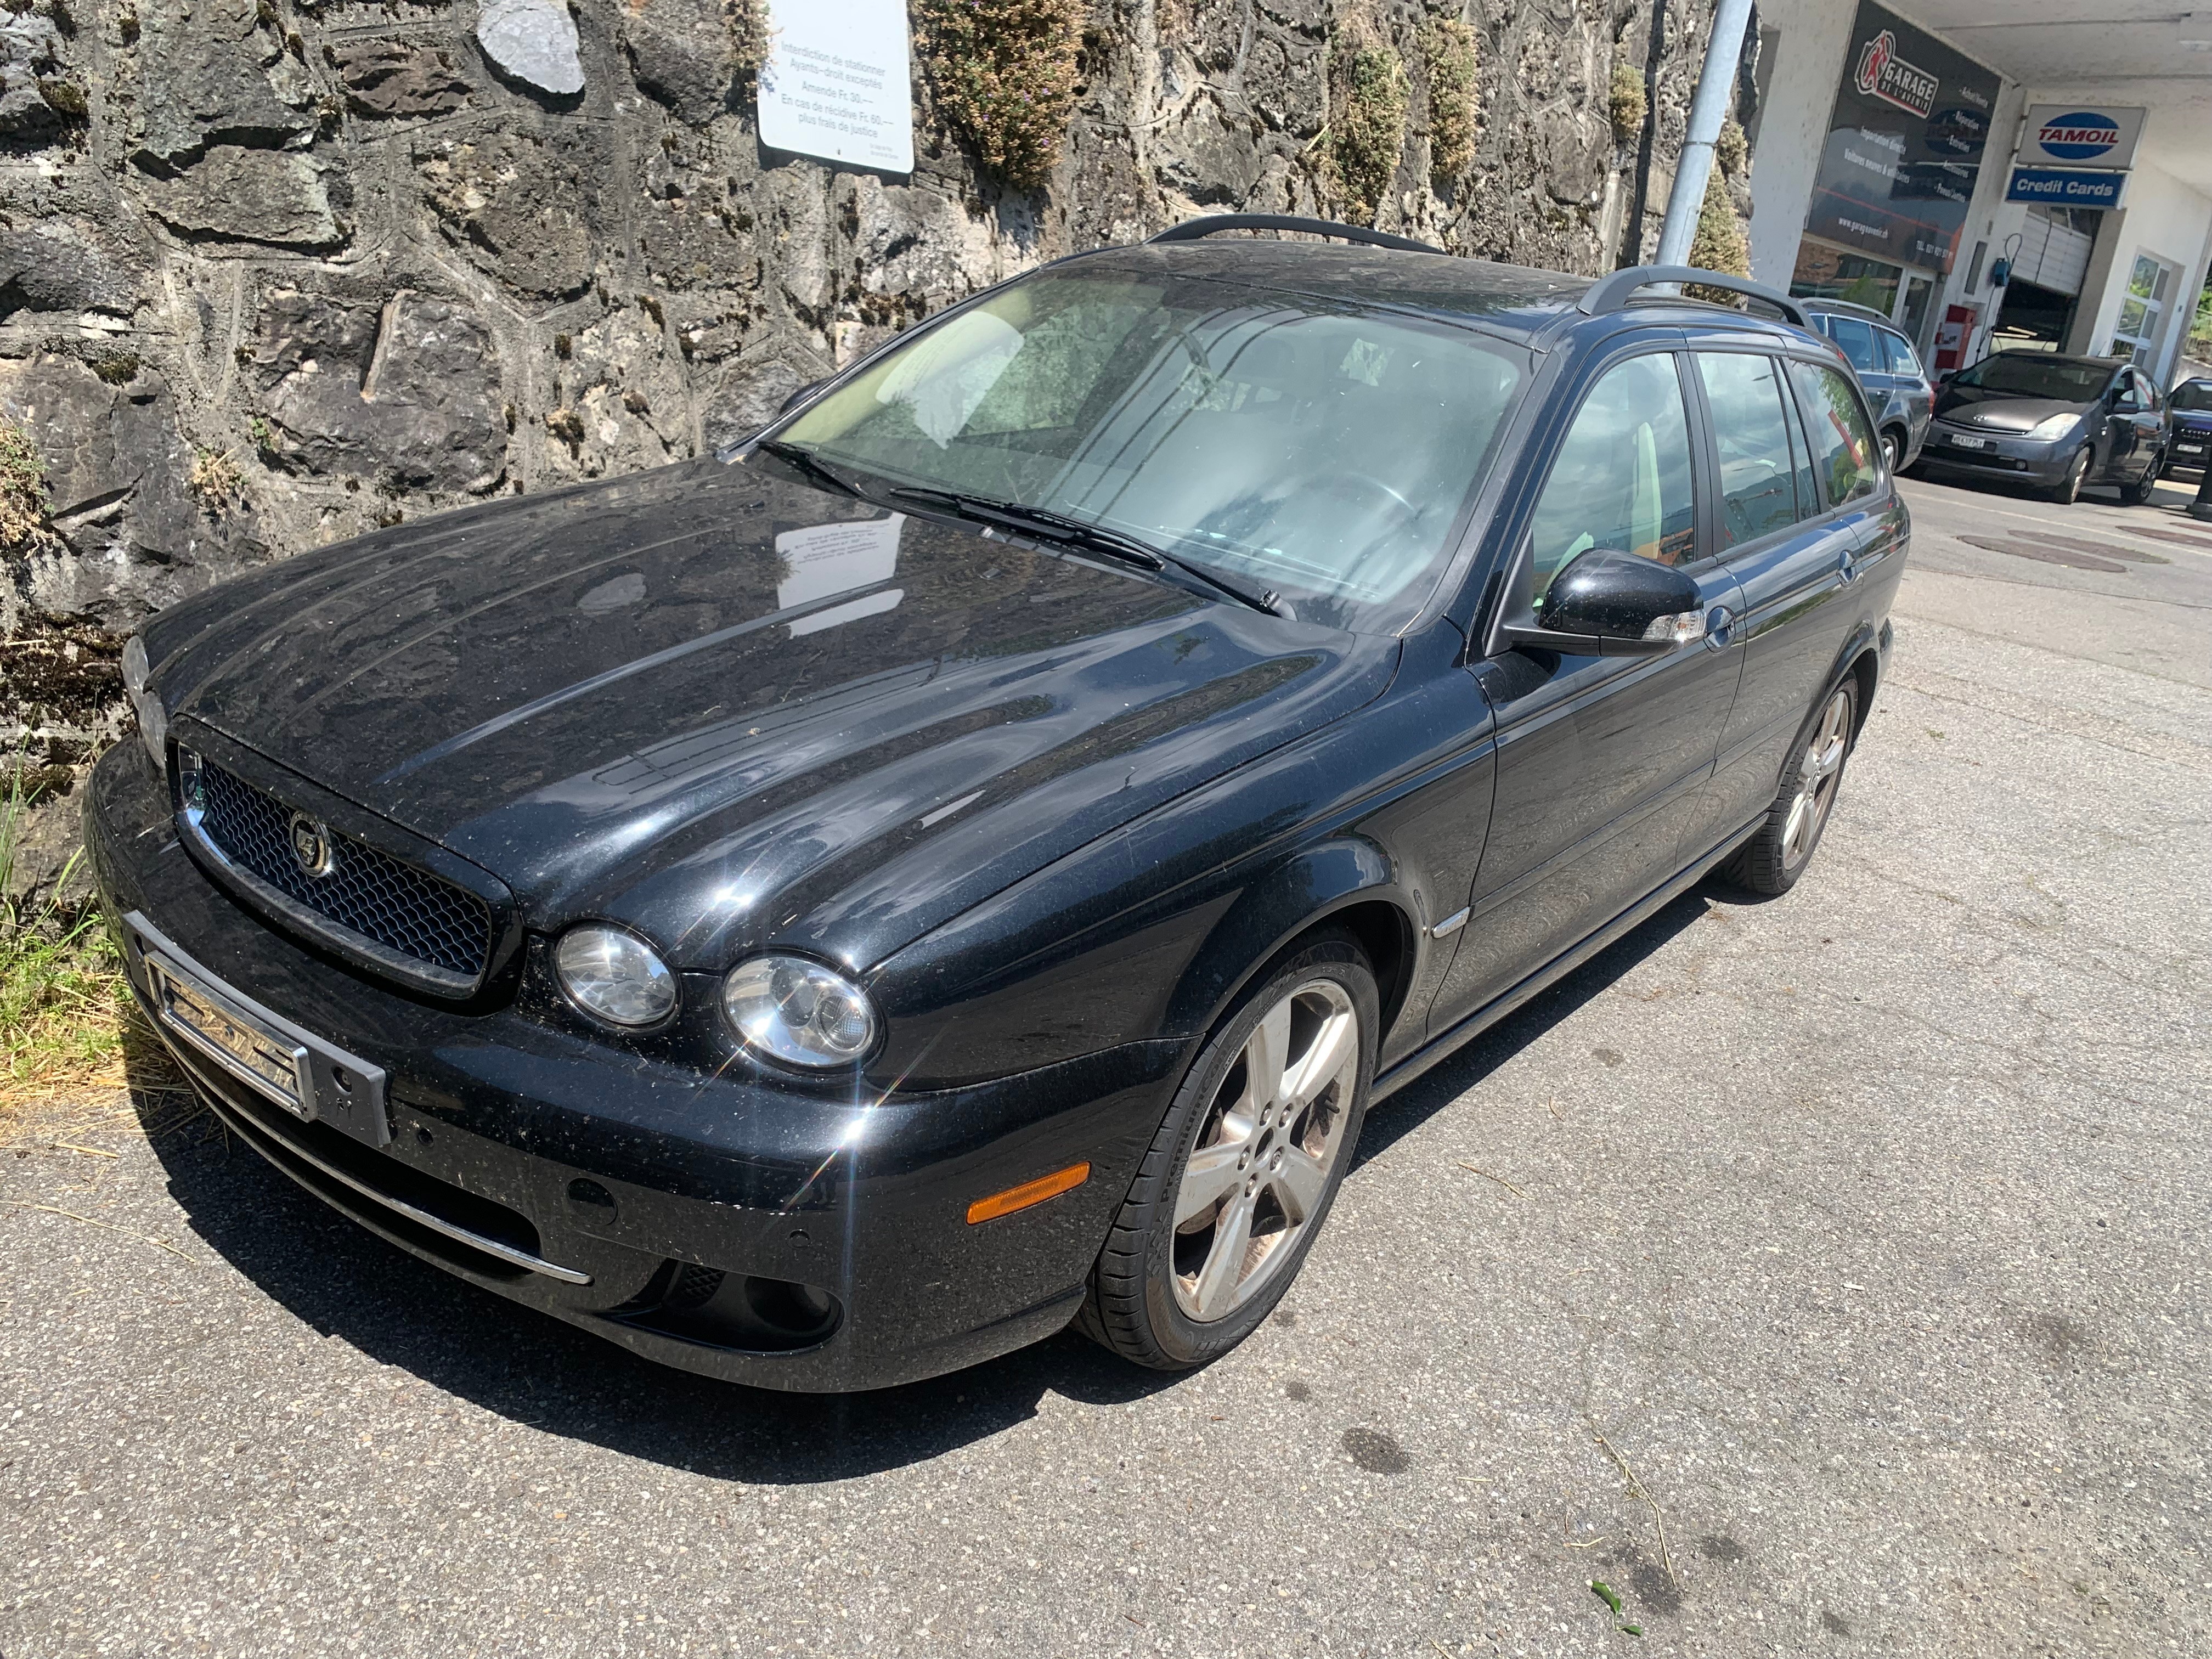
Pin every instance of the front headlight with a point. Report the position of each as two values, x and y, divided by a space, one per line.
145 703
798 1012
614 976
2058 427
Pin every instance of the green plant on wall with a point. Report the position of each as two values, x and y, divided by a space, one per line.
1626 101
1366 120
1719 243
1454 62
1732 150
1004 74
22 491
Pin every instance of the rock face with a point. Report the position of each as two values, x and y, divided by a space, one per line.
533 40
237 195
406 393
373 260
391 77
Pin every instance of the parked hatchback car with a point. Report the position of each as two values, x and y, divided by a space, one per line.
969 857
2189 434
2056 424
1896 387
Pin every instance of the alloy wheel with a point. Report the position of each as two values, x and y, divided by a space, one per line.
1260 1166
1816 780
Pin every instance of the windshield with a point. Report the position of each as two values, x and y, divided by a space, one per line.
2030 374
2193 395
1301 443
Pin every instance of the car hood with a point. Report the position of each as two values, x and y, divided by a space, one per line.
729 710
1972 407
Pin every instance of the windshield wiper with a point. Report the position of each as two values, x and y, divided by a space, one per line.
1049 526
806 461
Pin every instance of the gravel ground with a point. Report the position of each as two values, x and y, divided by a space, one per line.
1834 1281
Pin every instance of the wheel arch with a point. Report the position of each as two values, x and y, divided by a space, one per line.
1348 881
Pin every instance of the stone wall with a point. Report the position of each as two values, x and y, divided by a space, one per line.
273 272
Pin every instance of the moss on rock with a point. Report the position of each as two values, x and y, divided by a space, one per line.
1626 101
1454 62
1004 74
1367 121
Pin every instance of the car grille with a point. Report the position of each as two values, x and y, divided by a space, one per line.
396 905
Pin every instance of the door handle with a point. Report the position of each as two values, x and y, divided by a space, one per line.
1847 564
1719 626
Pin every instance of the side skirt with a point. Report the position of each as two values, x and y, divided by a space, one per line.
1440 1048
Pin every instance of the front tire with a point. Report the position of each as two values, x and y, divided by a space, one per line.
2067 490
1892 452
1771 861
1245 1167
2136 493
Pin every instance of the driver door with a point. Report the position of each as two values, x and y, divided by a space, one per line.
1599 759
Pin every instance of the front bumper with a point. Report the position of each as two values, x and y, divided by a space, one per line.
635 1175
2016 460
2190 451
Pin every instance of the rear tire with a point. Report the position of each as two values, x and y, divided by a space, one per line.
1892 452
1244 1169
1771 861
2068 490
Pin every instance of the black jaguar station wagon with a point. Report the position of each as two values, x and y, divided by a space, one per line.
966 860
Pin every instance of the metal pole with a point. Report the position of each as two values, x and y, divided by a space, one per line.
1715 84
2202 507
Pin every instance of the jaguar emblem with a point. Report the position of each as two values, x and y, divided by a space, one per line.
313 849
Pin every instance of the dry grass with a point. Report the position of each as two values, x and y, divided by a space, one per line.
65 1012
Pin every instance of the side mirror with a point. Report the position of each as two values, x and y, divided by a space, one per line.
1609 604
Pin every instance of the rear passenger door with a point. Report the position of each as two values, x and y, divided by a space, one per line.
1599 759
1914 398
1795 576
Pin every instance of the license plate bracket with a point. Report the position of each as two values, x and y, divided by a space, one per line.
312 1079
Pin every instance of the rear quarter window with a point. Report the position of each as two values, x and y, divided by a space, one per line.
1845 457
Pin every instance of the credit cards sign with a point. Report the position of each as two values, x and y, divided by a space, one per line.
2066 187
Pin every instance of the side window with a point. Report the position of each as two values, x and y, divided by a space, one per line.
2145 390
1844 456
2127 402
1751 438
1897 353
1855 340
1621 478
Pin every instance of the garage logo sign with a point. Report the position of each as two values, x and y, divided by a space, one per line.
1882 74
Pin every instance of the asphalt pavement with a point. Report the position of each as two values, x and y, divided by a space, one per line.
1830 1277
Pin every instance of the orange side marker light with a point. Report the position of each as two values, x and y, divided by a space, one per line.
1028 1194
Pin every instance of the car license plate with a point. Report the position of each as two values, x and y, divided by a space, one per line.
232 1038
1962 441
2187 448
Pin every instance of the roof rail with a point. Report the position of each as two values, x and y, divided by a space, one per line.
1190 230
1614 292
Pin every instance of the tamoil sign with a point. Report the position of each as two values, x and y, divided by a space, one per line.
2081 136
